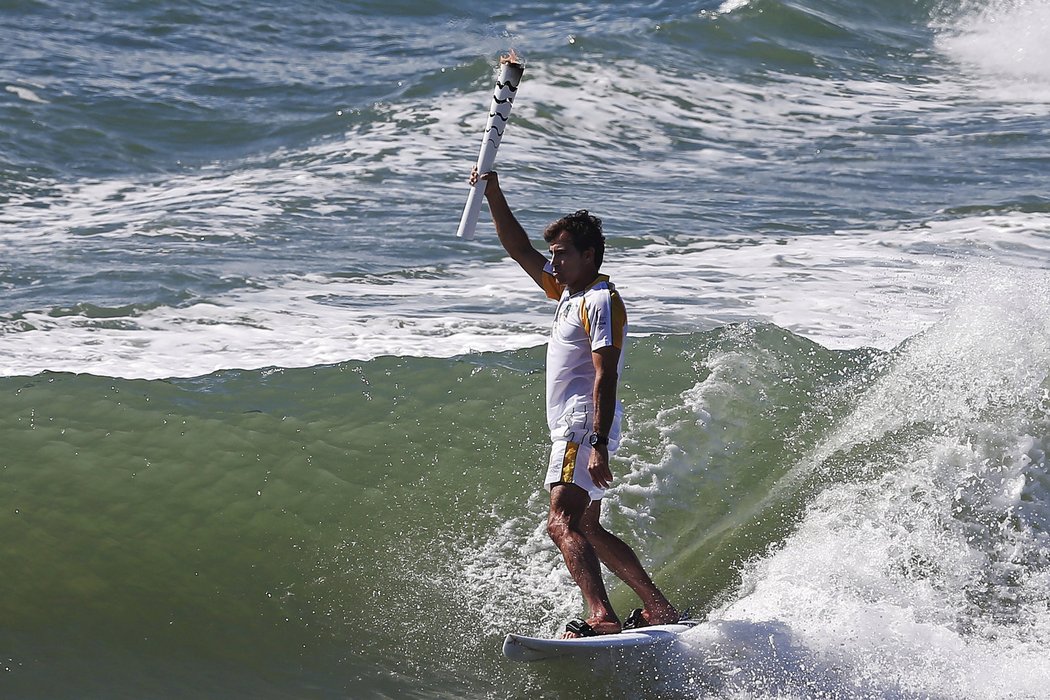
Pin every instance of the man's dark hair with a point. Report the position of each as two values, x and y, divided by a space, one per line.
584 229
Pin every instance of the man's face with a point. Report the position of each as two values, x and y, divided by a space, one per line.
571 267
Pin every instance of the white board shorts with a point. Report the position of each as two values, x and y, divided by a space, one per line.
568 465
570 449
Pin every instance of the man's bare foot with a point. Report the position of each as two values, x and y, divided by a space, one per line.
596 625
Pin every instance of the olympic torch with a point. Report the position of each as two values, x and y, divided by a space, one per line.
502 100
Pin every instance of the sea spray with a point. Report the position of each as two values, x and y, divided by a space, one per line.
1002 40
919 573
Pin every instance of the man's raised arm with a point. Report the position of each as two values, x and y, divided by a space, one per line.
513 237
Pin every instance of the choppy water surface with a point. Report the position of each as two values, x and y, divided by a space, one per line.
271 430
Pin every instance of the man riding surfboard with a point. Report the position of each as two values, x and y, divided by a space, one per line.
585 358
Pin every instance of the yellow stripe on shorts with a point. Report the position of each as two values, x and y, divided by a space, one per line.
568 465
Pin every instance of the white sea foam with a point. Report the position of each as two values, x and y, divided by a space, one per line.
691 125
731 5
600 116
847 290
514 578
25 93
1003 43
925 575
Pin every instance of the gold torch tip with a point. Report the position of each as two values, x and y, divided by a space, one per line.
512 58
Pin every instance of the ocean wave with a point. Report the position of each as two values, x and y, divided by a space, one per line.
1002 43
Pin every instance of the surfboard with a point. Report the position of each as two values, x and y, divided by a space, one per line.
519 647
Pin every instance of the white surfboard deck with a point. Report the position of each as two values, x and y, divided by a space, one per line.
519 647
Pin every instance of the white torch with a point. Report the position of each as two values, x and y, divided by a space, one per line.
499 113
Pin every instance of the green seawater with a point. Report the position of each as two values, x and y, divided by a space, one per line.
305 532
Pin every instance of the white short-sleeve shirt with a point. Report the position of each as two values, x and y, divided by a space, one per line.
584 322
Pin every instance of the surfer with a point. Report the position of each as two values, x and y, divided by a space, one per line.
584 361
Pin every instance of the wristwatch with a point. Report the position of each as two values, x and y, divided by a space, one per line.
597 439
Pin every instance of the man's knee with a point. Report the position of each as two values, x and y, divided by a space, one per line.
558 525
568 503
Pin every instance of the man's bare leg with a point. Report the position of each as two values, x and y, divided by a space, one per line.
568 505
622 561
